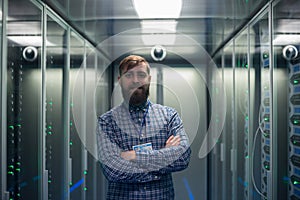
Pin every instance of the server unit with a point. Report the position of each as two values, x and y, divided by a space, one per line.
264 122
294 129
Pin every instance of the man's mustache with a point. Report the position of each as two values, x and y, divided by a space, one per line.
139 87
139 95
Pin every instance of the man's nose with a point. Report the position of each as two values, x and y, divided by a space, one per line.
135 78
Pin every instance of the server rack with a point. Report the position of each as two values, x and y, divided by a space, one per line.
40 79
294 130
265 123
23 115
77 151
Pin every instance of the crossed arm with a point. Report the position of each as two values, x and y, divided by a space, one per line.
131 155
132 167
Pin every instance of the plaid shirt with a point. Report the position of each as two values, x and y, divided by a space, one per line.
149 175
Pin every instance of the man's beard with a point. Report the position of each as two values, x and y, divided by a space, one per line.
139 96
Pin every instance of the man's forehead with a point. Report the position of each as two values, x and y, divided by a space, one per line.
139 67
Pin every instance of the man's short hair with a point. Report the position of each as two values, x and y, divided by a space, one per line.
130 62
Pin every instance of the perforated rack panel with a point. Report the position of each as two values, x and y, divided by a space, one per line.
265 122
294 131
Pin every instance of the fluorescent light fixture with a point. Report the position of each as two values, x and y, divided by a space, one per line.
286 39
158 20
167 25
29 40
287 32
157 9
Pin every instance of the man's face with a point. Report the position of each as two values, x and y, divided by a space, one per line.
135 84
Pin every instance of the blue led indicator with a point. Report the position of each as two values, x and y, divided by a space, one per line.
297 151
267 94
266 62
296 68
244 183
297 130
267 110
297 171
23 184
36 178
267 157
297 192
285 178
297 89
267 142
297 110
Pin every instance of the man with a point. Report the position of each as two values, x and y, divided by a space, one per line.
140 143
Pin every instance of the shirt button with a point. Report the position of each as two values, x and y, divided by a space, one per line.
140 119
145 188
155 177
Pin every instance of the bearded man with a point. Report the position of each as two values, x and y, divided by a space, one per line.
140 143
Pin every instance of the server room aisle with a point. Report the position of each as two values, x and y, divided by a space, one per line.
231 70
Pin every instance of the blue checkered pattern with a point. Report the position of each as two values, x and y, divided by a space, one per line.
149 176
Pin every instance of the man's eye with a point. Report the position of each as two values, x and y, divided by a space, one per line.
142 75
128 75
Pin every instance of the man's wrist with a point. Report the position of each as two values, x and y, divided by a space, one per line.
128 155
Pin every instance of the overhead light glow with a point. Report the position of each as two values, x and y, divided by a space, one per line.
167 25
158 32
285 39
158 20
29 40
157 9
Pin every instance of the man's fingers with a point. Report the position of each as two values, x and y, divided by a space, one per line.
176 140
170 139
173 141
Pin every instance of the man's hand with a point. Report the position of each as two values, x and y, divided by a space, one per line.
128 155
173 141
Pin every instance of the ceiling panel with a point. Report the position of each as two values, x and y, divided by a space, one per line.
206 22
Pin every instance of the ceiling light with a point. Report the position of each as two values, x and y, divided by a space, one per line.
158 32
156 9
29 40
285 39
158 20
